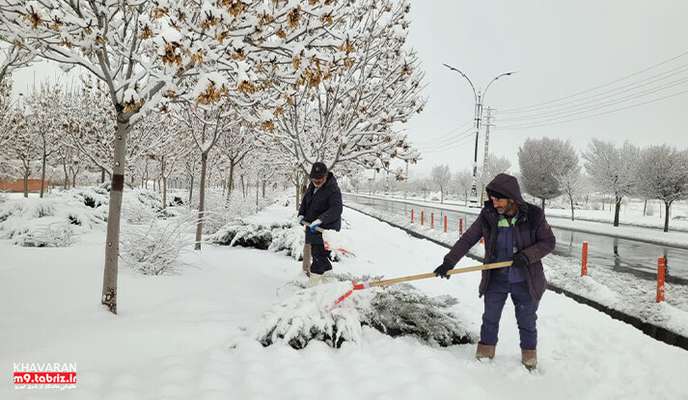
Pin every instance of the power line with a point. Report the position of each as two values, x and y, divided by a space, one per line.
447 135
594 107
456 138
535 105
454 146
513 127
610 95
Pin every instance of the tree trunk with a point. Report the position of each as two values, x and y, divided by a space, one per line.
257 192
109 294
66 174
264 183
243 187
571 201
191 185
617 208
667 206
230 185
201 201
102 175
542 204
45 156
164 191
26 184
76 172
645 208
441 196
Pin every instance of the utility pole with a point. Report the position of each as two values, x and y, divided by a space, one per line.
488 124
479 97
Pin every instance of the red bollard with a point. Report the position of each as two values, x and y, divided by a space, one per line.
422 216
584 259
460 226
432 220
412 215
445 224
661 271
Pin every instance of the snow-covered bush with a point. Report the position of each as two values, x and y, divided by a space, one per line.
240 233
399 310
49 222
288 240
154 249
45 232
140 206
403 310
305 317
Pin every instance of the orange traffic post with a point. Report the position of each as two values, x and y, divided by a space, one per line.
661 272
584 259
422 216
412 215
460 226
445 224
432 220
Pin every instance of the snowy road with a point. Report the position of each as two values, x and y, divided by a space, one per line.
619 255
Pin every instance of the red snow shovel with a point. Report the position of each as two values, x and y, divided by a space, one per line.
389 282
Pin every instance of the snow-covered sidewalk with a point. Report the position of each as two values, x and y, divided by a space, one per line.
191 335
647 234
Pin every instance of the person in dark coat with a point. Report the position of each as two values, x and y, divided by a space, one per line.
321 207
516 231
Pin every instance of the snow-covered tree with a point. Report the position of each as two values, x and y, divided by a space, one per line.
613 170
12 56
174 49
350 109
24 145
47 109
663 174
462 182
440 177
543 162
237 142
571 183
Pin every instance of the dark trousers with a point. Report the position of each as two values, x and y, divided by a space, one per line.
321 257
525 307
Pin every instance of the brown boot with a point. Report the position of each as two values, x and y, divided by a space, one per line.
485 351
529 359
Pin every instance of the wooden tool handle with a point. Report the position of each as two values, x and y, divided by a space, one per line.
408 278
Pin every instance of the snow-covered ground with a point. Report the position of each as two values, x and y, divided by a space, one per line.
675 239
191 335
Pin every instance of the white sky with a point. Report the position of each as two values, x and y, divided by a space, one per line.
557 47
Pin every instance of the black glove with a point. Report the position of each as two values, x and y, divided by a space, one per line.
519 260
441 271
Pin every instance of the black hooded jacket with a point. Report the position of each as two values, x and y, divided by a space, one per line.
325 204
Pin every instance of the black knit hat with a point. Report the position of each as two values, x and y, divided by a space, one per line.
496 194
318 170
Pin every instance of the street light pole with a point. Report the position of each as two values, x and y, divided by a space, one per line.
479 98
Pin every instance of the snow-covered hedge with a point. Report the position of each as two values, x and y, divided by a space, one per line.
286 236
